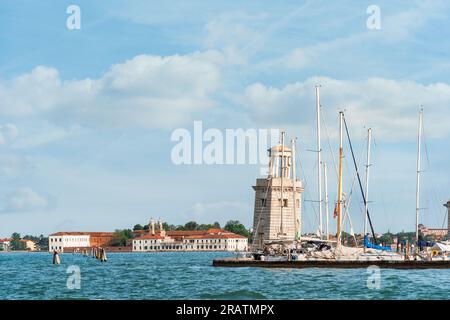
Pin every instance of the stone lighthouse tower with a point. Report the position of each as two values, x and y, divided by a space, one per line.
277 211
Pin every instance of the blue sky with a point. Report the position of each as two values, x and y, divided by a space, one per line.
86 115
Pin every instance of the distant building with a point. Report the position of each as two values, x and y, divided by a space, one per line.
70 241
5 244
157 239
29 244
436 233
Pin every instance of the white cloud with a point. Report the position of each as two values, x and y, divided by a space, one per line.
402 26
146 91
389 106
24 199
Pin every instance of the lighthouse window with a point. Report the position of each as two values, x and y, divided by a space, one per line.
263 202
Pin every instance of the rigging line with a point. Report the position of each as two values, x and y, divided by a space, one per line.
445 218
431 189
308 195
306 192
329 146
347 200
269 183
424 137
359 180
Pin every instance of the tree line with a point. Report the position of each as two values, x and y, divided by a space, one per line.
122 236
17 245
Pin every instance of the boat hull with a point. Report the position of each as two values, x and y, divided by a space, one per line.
339 264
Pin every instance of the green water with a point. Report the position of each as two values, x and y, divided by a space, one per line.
191 276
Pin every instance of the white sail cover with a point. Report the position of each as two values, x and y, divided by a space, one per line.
441 247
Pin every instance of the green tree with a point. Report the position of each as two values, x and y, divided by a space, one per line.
16 244
191 225
41 241
205 226
138 227
386 238
121 237
169 227
236 227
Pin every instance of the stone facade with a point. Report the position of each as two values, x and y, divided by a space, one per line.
69 241
198 240
277 216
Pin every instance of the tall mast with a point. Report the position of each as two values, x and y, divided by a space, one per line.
282 165
419 145
319 161
327 211
366 211
294 189
341 156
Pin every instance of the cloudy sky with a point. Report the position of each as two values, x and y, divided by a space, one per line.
86 115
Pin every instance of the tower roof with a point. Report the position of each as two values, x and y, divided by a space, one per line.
280 148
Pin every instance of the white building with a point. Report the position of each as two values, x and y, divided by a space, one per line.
59 241
5 244
198 240
29 244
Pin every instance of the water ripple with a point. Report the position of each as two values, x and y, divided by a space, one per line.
191 276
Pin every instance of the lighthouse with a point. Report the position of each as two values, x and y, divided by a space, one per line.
277 210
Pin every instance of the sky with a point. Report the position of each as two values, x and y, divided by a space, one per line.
87 115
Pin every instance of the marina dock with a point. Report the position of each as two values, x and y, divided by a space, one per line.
339 264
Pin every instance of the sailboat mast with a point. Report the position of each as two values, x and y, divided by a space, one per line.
319 161
419 151
366 211
327 202
282 165
341 156
294 189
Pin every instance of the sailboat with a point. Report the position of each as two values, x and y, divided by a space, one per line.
306 252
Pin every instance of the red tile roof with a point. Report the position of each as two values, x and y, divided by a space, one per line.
149 236
217 236
78 233
195 234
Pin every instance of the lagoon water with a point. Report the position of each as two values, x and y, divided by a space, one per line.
180 275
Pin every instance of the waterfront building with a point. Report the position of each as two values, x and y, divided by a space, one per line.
197 240
277 209
5 244
436 233
71 241
29 244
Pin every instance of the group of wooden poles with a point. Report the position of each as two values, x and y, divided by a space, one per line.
96 252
